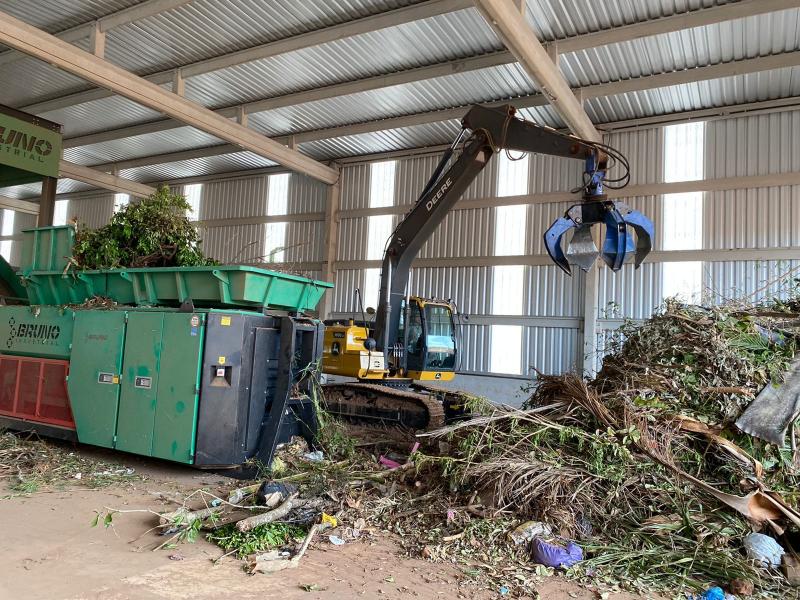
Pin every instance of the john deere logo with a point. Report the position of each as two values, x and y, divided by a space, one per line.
24 145
32 333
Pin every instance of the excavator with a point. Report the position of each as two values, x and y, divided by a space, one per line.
412 341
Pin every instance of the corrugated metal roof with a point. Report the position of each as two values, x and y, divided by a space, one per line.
207 28
175 140
761 35
195 167
383 141
436 39
100 115
485 85
767 85
557 19
59 15
171 39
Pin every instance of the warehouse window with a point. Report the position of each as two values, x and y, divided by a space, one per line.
381 193
60 212
277 204
510 229
505 351
682 214
371 289
381 183
193 193
512 174
379 227
683 280
6 246
507 289
121 201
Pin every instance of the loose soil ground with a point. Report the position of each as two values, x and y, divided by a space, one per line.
51 552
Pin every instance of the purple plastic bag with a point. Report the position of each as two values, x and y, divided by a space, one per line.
554 555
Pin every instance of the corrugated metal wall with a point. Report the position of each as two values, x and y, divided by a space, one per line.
246 198
551 317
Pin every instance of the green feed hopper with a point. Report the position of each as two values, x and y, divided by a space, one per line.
48 280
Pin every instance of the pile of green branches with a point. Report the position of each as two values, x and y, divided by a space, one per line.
152 232
599 460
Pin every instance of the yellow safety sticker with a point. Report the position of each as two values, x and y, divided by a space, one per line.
221 360
226 321
115 379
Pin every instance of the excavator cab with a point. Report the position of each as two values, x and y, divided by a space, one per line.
428 351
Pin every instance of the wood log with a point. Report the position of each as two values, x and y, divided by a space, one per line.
267 517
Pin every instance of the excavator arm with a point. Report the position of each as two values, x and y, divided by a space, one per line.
484 132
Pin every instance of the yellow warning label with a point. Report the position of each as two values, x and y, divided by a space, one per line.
221 360
226 321
115 379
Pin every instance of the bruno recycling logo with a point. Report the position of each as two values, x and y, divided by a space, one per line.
32 333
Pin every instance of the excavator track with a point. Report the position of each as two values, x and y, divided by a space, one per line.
416 408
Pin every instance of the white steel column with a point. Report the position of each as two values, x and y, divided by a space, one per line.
330 247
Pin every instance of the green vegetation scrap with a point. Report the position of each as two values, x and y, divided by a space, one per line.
152 232
29 465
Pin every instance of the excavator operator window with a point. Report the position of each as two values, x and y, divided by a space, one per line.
441 338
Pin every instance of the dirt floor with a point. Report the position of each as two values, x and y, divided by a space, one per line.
51 552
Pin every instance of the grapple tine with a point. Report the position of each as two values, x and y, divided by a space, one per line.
616 242
644 234
582 250
552 242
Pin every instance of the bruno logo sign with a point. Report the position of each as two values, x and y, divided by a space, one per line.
29 147
40 334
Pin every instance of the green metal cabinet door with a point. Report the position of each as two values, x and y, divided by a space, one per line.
178 382
94 370
140 370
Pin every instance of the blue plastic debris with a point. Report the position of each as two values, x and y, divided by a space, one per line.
556 555
714 593
503 590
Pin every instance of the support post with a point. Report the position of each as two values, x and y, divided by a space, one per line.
178 84
97 41
329 251
591 285
47 202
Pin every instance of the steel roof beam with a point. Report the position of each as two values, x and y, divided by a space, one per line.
511 26
143 10
741 67
698 18
392 18
104 180
44 46
17 205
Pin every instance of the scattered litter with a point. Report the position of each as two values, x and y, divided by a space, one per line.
764 550
77 476
315 456
328 521
336 540
503 590
176 556
714 593
555 554
389 463
524 533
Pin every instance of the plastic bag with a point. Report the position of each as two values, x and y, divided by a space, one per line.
555 555
763 549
